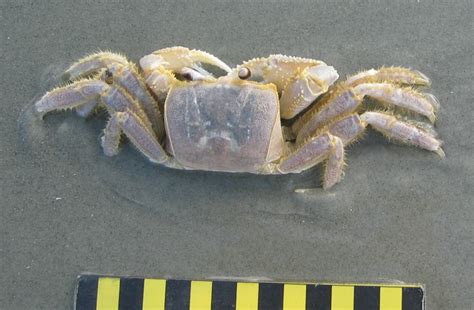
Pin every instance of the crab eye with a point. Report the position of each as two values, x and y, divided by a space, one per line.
187 76
244 73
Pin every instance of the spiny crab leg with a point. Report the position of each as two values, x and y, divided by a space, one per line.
406 98
334 170
88 92
397 75
299 80
93 63
120 71
346 98
339 102
313 151
393 128
133 120
128 78
136 131
83 92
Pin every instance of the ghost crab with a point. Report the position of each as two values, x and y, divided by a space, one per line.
180 115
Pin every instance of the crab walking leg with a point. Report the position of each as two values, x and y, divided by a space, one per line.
83 92
336 104
307 155
138 133
348 128
118 100
397 75
110 141
127 77
406 98
335 164
88 92
391 127
314 151
93 63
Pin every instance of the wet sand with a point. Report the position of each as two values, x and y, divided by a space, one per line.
400 213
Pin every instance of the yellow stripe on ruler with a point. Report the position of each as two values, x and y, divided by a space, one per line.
201 294
154 294
108 291
247 296
342 297
390 298
294 297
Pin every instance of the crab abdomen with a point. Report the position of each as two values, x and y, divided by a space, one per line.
223 126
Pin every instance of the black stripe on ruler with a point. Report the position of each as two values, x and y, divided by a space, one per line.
131 293
366 298
223 295
323 297
86 295
270 296
310 297
412 298
177 294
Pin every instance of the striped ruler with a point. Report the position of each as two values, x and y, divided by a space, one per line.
104 292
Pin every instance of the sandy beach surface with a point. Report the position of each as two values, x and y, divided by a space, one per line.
400 214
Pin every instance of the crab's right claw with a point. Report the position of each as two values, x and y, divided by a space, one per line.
176 58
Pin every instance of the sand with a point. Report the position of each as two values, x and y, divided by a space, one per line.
401 214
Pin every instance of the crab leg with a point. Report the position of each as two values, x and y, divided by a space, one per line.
396 75
314 151
406 98
83 92
391 127
137 132
346 97
93 63
89 92
127 77
110 141
348 128
307 155
338 103
333 172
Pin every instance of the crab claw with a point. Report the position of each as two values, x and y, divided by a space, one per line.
304 88
178 57
299 80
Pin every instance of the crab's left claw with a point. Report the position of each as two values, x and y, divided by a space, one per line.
299 80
